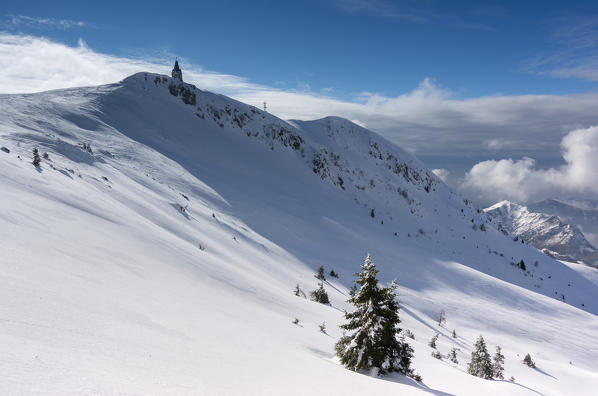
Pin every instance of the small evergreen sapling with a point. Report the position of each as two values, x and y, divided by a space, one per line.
409 334
497 363
322 327
480 364
36 158
441 318
432 343
453 355
320 275
454 334
527 360
320 295
298 292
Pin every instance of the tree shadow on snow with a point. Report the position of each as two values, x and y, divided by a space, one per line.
439 330
544 372
401 379
523 386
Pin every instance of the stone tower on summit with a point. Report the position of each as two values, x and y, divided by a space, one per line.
176 72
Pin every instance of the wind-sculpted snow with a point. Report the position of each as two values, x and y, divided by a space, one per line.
156 247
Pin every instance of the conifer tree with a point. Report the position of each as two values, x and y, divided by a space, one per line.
320 275
497 363
320 295
480 364
453 355
432 343
527 360
298 292
441 318
322 327
454 334
36 159
370 338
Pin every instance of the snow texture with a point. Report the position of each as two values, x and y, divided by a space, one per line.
156 250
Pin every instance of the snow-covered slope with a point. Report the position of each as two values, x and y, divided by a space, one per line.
582 214
155 252
544 231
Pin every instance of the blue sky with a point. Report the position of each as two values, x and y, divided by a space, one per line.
491 92
343 47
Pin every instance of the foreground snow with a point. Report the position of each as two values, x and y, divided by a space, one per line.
109 287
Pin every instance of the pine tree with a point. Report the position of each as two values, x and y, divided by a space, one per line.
370 338
432 343
453 355
441 318
298 292
527 360
480 364
320 275
454 334
322 327
36 159
320 295
497 363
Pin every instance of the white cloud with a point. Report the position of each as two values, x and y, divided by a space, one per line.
521 181
429 120
442 174
575 50
15 21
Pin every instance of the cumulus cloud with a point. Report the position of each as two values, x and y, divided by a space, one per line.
520 180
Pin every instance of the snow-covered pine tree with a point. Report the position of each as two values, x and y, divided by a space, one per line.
320 295
527 360
298 292
480 364
320 275
454 334
370 339
441 318
36 159
497 363
322 327
432 343
453 355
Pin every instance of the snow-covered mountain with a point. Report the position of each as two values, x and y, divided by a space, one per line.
582 214
544 231
156 247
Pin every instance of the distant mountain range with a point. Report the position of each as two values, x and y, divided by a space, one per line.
550 226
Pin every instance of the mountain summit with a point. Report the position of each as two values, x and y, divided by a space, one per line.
164 237
546 232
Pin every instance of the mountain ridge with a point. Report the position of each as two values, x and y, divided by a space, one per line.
156 242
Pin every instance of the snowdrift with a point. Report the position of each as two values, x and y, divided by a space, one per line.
156 248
